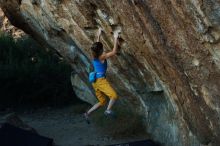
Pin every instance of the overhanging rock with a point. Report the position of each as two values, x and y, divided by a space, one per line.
170 46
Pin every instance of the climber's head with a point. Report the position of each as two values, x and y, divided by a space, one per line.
97 49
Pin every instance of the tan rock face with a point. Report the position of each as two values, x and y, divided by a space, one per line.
5 26
168 65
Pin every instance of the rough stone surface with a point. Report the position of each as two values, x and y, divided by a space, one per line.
15 120
5 26
168 65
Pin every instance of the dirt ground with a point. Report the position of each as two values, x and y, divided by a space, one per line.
68 128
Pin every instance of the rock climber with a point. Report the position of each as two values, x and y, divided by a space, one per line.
101 85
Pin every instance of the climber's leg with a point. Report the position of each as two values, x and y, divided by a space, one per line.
102 101
111 103
94 107
110 92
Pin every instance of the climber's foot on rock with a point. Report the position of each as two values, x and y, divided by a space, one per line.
86 117
110 113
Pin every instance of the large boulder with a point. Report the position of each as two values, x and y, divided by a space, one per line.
168 65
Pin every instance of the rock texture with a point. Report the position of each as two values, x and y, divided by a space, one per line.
15 120
6 27
168 65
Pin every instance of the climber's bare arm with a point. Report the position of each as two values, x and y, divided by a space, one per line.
114 50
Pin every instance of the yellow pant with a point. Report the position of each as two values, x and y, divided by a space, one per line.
102 89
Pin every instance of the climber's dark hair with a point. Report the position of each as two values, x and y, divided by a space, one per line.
97 49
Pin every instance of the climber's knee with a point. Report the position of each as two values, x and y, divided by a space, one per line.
113 95
102 102
101 98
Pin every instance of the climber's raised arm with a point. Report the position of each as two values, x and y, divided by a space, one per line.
114 50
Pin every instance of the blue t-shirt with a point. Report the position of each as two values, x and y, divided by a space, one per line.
100 68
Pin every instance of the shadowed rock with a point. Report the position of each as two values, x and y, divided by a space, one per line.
168 66
14 120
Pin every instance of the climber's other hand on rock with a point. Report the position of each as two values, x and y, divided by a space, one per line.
99 31
116 34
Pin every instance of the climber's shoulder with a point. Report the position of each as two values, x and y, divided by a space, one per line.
103 56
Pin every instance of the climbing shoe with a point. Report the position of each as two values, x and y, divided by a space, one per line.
86 117
110 113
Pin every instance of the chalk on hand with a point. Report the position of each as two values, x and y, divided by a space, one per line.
100 29
116 34
117 31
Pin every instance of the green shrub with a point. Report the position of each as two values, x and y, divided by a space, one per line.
30 75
